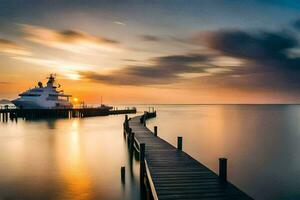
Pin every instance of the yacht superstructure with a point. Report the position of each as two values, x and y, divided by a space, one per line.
44 97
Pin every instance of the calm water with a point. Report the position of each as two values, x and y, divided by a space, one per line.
65 159
81 158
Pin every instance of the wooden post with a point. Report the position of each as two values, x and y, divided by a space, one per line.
132 142
142 163
126 122
123 174
144 118
6 117
129 131
179 143
128 137
155 131
223 169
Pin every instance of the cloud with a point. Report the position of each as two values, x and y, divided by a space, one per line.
268 63
119 23
4 83
269 50
12 48
297 24
257 46
236 59
37 61
66 68
150 38
164 70
70 40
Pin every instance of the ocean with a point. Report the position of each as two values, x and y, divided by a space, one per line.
81 158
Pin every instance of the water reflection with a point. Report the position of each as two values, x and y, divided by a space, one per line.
66 159
261 142
72 166
81 158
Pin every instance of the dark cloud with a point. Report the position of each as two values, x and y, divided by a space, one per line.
266 55
297 24
265 49
257 46
183 59
72 36
150 38
164 70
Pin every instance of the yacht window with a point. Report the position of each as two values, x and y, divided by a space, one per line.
29 95
37 90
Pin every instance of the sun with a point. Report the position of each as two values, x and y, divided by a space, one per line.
73 76
75 99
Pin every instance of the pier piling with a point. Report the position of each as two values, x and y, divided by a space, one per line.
155 130
223 169
132 142
123 174
179 143
142 163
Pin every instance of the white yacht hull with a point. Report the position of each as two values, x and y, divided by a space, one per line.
29 104
25 104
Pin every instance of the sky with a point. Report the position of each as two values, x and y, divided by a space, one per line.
154 51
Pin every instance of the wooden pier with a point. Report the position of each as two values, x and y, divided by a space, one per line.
171 173
14 114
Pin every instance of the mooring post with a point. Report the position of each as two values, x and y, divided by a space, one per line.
128 136
132 142
142 163
124 130
223 169
129 132
6 117
144 118
126 122
123 174
179 143
155 131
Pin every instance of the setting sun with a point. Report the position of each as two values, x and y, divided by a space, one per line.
75 99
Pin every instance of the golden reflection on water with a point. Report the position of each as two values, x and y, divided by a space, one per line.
72 166
65 159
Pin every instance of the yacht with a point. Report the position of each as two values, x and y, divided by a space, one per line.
44 97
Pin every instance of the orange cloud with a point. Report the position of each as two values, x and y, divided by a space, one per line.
70 40
10 47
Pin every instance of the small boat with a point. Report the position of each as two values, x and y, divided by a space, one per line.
44 97
105 107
